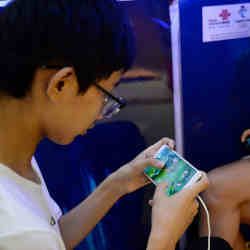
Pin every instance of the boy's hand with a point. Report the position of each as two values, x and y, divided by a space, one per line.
245 134
130 177
171 215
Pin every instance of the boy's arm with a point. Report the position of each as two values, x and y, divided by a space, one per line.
77 224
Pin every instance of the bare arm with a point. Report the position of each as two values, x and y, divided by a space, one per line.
155 242
76 224
167 227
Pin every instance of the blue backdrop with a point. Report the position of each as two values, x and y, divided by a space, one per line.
215 90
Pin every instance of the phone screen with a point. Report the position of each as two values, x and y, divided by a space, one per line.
176 171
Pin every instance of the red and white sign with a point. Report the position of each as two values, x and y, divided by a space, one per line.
224 22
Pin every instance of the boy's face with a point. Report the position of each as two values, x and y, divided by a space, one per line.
65 113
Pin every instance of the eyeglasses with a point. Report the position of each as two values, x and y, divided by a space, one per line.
112 104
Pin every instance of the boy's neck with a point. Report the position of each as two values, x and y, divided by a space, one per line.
19 136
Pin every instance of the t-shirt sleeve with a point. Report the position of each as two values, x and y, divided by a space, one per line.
29 240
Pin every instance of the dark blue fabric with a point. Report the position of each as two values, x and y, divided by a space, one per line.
72 172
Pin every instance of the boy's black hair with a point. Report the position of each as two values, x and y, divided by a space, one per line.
93 36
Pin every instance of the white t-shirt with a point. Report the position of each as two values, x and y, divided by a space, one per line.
28 215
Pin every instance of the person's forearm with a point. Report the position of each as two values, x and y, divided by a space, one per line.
157 242
76 224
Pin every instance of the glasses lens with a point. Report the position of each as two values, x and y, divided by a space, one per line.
112 107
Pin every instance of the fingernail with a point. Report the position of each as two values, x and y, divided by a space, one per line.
162 164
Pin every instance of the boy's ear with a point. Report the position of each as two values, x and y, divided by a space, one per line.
62 84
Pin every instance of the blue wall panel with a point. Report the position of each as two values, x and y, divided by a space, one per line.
216 90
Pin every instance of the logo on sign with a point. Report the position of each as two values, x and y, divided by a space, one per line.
243 11
225 14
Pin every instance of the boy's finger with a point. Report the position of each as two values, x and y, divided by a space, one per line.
198 187
151 202
161 188
163 141
152 163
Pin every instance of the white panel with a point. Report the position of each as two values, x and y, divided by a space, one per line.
177 81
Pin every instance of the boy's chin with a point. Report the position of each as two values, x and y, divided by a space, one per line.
66 141
63 141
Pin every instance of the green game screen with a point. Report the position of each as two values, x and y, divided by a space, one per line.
176 171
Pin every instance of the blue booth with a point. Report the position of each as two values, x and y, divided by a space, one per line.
210 49
211 63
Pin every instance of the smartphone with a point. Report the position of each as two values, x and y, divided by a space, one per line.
177 171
